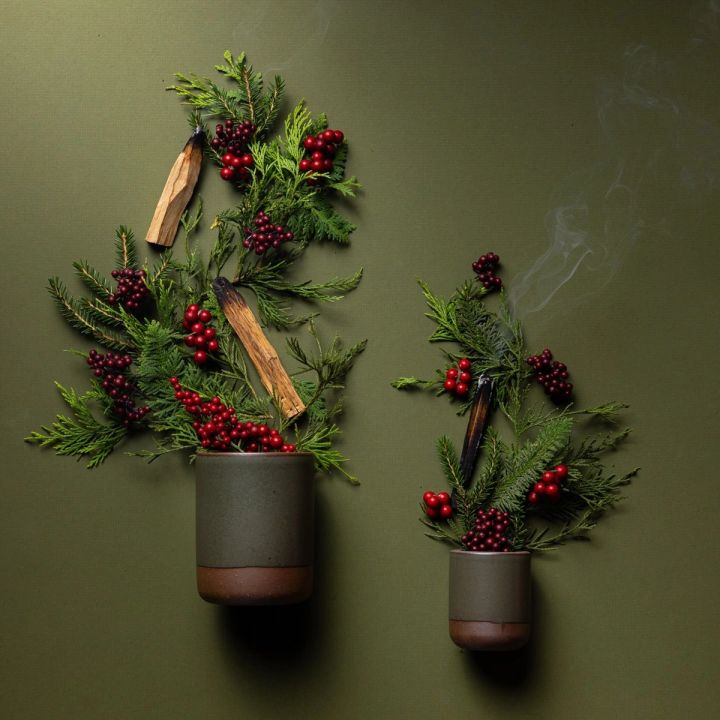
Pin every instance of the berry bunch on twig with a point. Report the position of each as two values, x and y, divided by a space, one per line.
488 532
265 235
321 148
231 142
218 427
202 334
437 505
549 486
131 289
111 368
552 375
485 267
458 378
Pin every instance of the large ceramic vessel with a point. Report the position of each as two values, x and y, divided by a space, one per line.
489 599
255 527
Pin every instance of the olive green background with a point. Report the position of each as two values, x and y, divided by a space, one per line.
468 123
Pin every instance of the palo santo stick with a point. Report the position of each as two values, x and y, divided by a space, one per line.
272 374
477 423
177 192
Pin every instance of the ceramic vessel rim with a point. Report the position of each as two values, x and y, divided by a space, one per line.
483 552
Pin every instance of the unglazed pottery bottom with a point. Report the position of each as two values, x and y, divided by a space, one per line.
481 635
255 585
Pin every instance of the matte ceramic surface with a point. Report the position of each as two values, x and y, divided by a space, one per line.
489 636
489 599
254 527
255 585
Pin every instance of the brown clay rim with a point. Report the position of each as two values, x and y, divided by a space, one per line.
484 552
253 454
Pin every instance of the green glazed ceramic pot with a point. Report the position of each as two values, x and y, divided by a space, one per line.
255 527
489 599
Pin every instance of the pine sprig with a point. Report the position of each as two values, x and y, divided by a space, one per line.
125 248
527 463
80 318
247 100
94 281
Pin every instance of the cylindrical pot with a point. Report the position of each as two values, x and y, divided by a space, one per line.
255 527
489 599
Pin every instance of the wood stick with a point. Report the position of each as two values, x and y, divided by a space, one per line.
477 423
177 192
263 355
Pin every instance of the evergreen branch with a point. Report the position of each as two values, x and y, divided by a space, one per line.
442 314
450 463
102 313
318 440
526 464
272 104
79 318
412 383
80 435
607 412
273 311
316 291
125 249
577 530
95 282
449 532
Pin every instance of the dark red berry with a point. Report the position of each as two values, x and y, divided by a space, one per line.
552 490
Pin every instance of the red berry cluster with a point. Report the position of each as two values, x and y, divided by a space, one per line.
485 267
131 289
111 368
488 533
236 166
233 137
322 148
265 235
231 140
437 505
549 485
202 336
218 428
552 375
457 379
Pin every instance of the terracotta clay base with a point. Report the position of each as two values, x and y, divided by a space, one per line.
255 585
489 635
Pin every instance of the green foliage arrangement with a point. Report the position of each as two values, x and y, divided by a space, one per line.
538 436
153 336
